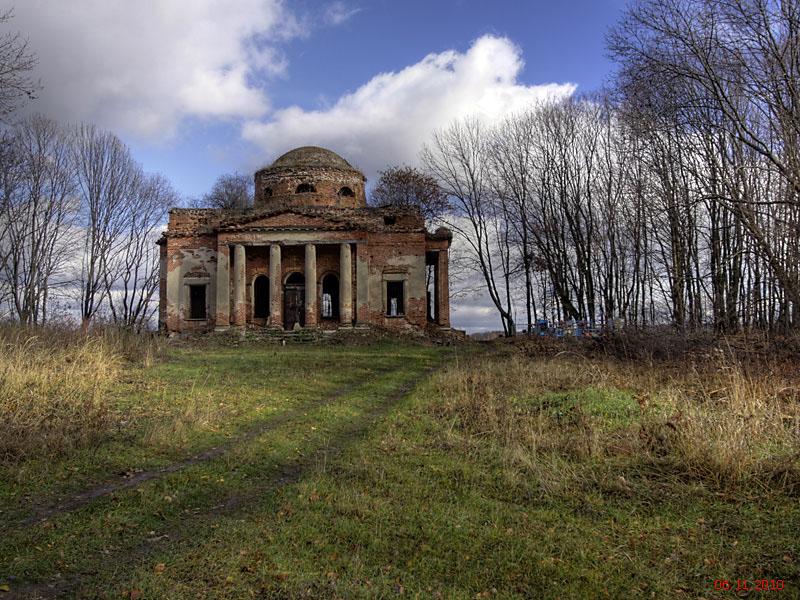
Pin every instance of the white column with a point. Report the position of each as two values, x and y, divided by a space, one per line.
239 304
275 287
223 310
311 285
345 285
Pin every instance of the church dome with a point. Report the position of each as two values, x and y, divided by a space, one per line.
311 156
310 176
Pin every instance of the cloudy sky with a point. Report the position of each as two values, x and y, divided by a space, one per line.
202 87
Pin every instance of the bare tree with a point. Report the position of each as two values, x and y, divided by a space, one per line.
10 182
132 276
16 65
108 179
230 191
39 210
512 156
72 197
458 159
407 186
731 65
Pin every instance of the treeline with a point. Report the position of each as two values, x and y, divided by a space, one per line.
671 198
78 223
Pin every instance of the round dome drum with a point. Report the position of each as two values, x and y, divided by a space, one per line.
310 176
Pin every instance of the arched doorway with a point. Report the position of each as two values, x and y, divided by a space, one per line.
330 297
294 301
261 297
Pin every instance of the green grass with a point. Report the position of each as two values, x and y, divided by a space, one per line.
347 500
615 407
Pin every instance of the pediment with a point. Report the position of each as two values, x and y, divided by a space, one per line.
289 220
285 219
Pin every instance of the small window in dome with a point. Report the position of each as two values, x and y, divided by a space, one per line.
347 192
305 188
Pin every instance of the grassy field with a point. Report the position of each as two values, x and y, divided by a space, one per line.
397 470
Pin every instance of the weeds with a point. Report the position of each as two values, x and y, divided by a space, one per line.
54 384
562 417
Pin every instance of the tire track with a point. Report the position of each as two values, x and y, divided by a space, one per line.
79 500
282 475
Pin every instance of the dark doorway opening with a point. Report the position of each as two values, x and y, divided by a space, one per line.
294 300
330 297
197 301
261 297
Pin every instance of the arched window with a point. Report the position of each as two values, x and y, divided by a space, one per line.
261 297
305 188
330 296
347 192
268 192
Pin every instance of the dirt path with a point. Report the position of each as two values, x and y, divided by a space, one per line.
188 530
79 500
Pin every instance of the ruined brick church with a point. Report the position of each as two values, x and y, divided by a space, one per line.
308 253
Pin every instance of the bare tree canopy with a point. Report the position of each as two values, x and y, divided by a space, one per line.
738 58
132 277
458 158
230 191
16 65
107 179
723 77
38 214
407 186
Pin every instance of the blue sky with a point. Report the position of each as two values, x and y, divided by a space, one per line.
203 87
560 41
318 52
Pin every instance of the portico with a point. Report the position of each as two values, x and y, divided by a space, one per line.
232 281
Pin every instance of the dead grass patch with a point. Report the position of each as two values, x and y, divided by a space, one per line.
54 385
566 418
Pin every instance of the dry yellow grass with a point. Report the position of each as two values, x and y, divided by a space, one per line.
554 417
733 428
54 384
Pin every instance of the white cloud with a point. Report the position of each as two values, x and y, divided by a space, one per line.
386 120
339 12
141 67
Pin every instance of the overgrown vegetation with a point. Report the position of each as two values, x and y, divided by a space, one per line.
515 471
55 386
563 419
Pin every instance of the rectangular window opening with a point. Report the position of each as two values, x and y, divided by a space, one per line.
394 298
197 301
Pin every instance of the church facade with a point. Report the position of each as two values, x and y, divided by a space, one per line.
308 253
